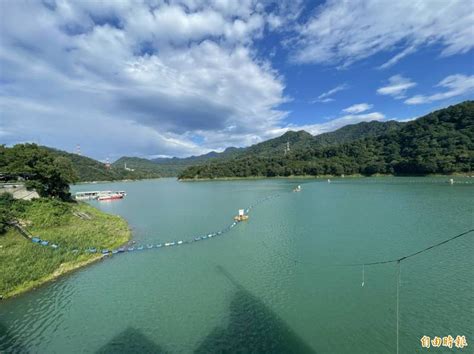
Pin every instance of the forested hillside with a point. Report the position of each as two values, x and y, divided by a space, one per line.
168 167
18 158
440 142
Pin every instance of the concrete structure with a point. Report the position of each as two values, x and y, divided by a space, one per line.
18 190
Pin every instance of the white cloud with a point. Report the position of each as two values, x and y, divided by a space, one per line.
326 96
358 108
148 79
454 85
342 32
397 87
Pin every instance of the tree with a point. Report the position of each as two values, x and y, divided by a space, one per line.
6 202
50 175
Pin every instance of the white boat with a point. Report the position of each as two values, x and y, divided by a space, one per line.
86 195
109 196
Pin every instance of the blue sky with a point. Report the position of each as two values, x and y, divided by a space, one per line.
177 78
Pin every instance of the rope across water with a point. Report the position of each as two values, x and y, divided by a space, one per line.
192 240
150 246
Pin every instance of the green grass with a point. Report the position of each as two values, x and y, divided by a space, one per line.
25 265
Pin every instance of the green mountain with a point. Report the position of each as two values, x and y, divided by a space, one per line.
84 168
172 167
145 166
361 130
440 142
168 167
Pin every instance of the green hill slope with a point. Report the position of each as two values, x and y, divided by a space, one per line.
440 142
168 167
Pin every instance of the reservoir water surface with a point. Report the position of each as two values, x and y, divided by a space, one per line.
279 282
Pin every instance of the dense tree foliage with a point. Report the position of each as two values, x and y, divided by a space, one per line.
440 142
50 175
6 213
88 169
167 167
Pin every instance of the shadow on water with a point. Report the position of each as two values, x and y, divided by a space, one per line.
253 328
131 341
8 343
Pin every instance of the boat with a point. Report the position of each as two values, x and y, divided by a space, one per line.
149 246
297 189
159 245
110 196
139 248
240 217
197 239
115 251
180 242
121 249
87 195
131 249
54 246
105 251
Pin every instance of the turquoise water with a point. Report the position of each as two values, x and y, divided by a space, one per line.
272 284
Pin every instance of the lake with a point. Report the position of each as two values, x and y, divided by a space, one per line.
280 282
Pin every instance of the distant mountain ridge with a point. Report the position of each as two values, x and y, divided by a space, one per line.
88 169
365 147
440 142
296 139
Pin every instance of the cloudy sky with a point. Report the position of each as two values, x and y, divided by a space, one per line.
177 78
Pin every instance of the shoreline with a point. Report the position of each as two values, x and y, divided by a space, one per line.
119 180
63 270
15 242
465 175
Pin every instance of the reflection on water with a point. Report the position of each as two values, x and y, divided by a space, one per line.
173 300
9 342
252 328
131 340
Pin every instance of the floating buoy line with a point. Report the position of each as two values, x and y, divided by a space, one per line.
131 248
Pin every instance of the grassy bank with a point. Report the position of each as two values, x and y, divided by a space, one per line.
25 265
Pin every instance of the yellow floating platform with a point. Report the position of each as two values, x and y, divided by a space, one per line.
241 217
